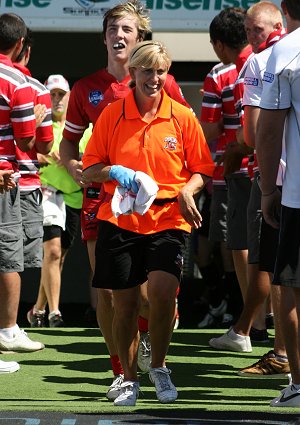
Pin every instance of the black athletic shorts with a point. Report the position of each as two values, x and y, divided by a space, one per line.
68 235
287 266
124 258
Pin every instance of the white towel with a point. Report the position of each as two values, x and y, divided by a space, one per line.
126 202
122 201
147 192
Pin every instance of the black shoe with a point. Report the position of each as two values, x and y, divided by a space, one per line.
56 321
259 335
270 321
36 320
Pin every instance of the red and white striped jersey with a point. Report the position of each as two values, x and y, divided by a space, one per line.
27 161
218 104
17 119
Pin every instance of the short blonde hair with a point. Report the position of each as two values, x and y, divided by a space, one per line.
149 54
267 8
130 8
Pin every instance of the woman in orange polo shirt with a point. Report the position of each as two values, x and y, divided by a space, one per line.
146 131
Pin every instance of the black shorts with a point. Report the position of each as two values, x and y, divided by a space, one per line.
238 198
287 266
68 235
124 259
268 247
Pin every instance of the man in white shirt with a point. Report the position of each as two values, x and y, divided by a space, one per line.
280 117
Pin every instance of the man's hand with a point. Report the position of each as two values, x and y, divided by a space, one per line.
270 205
6 180
40 112
75 170
233 156
44 160
188 208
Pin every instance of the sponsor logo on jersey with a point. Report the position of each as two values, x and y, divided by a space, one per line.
268 77
170 143
251 81
90 216
95 97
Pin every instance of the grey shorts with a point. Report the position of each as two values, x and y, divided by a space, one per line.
254 220
218 211
32 221
11 234
238 198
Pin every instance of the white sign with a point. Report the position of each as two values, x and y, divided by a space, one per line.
86 15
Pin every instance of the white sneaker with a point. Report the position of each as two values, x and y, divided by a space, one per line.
144 352
115 389
165 390
289 397
20 342
213 315
232 341
129 394
8 367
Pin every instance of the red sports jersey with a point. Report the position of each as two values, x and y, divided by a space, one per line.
17 118
217 104
238 91
91 94
27 161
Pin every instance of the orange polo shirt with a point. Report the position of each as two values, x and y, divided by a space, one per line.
169 149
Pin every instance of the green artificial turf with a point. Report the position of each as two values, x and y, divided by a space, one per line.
73 373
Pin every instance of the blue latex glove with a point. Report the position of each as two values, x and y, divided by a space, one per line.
125 176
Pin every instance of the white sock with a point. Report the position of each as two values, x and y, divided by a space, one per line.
10 333
37 311
234 335
296 386
54 313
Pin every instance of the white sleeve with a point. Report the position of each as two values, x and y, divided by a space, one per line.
276 87
252 84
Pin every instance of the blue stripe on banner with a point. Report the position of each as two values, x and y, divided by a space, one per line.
27 421
68 422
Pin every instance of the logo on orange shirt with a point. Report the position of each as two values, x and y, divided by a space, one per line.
170 143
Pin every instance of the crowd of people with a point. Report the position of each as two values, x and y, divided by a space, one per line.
123 156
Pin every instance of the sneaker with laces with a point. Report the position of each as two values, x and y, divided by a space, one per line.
8 367
129 394
36 320
232 341
165 390
56 321
267 367
115 389
144 352
20 343
289 397
259 335
213 315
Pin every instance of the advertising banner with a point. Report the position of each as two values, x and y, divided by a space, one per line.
86 15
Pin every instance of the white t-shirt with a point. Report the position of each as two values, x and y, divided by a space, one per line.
253 87
281 90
